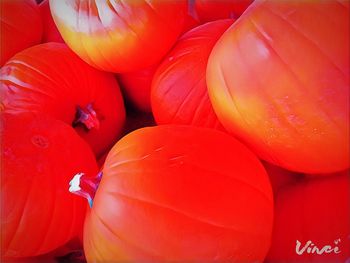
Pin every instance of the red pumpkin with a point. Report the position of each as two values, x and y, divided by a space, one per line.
180 193
52 79
120 36
209 10
279 80
21 27
38 214
136 86
179 92
315 213
50 33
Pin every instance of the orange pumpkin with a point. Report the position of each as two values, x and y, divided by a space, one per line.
279 79
180 193
120 36
179 91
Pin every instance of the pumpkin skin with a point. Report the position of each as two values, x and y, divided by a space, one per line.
120 36
209 10
38 214
283 67
179 92
317 210
180 193
50 32
50 78
21 27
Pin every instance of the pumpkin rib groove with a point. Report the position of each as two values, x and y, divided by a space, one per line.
199 107
177 211
73 220
188 96
88 22
228 90
198 167
53 207
235 179
234 103
312 43
128 25
10 81
48 65
168 88
81 41
130 243
27 66
300 84
99 51
169 26
30 186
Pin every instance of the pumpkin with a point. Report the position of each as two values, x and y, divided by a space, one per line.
50 78
179 91
38 214
120 36
279 80
179 193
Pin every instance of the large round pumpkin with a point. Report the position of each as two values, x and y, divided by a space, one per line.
120 36
180 193
179 91
312 215
50 78
38 214
279 79
21 27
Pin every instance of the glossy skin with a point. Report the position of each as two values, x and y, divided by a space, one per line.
180 193
52 79
279 80
136 86
317 210
38 214
209 10
21 27
179 91
50 32
120 36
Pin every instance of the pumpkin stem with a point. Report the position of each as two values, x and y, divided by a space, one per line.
86 116
85 187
